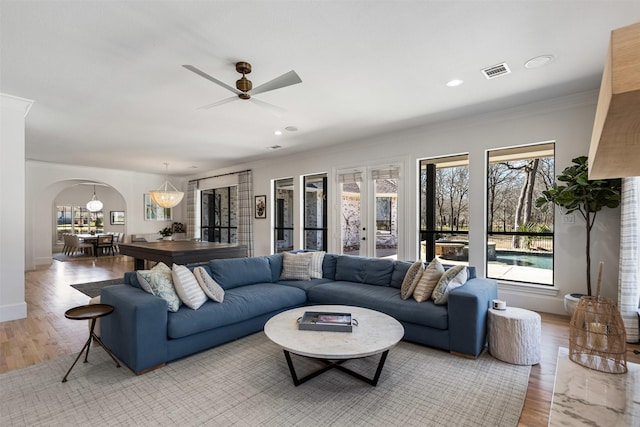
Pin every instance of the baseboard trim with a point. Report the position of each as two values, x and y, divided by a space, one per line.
13 312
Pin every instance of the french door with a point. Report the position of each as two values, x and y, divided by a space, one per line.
369 211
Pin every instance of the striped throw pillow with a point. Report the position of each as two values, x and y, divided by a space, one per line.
210 287
187 287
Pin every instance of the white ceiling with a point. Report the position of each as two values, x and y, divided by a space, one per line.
109 89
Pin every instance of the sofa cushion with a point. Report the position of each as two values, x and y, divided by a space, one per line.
451 279
427 283
411 279
303 284
208 285
187 287
381 298
373 271
240 304
329 266
296 266
400 269
275 263
233 272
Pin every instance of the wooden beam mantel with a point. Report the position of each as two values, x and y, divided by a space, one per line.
615 142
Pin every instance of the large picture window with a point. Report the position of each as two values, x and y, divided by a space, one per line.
444 209
519 236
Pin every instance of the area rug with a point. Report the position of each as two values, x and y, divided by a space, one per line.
583 396
247 383
92 289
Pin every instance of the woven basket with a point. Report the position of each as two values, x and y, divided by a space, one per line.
597 338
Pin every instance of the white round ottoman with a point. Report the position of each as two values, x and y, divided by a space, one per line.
514 336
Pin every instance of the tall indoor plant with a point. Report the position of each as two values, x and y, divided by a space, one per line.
577 193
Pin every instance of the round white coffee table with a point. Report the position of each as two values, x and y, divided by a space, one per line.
375 333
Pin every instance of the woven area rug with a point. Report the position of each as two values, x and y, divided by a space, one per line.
92 289
247 383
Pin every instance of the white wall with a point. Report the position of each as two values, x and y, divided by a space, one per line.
568 121
12 191
47 181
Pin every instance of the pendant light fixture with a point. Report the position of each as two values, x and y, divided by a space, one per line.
167 196
94 205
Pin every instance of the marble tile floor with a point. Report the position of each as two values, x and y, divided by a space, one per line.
583 396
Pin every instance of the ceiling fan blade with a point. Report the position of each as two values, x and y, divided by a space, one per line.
287 79
278 111
213 79
215 104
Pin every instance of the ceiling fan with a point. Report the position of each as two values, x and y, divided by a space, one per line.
244 87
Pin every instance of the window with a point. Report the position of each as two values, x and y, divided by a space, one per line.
444 209
315 212
219 221
77 219
283 229
519 236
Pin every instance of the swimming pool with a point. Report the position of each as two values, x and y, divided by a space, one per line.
544 261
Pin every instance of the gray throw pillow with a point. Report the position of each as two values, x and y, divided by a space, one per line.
296 267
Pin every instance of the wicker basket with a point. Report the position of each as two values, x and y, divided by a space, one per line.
597 338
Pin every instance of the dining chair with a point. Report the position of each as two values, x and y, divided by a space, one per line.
77 245
105 243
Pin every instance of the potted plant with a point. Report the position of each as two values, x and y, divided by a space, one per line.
576 193
166 233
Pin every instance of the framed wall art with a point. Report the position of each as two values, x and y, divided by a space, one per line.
153 212
117 217
261 207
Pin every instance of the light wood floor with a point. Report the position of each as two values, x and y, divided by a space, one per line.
46 334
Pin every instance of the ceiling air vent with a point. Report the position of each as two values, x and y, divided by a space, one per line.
496 71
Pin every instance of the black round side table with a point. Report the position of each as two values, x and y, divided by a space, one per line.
89 312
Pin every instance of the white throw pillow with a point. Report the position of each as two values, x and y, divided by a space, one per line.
210 287
451 279
187 287
428 281
315 268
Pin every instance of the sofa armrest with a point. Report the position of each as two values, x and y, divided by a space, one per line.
136 331
468 306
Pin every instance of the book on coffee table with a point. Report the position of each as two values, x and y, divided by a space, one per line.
325 321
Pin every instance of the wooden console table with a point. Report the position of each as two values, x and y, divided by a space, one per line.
180 251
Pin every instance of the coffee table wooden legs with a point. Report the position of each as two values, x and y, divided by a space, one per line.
92 335
337 364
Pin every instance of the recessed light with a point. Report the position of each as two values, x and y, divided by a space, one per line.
454 82
539 61
277 133
291 129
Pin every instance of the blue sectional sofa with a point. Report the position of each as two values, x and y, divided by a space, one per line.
144 334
